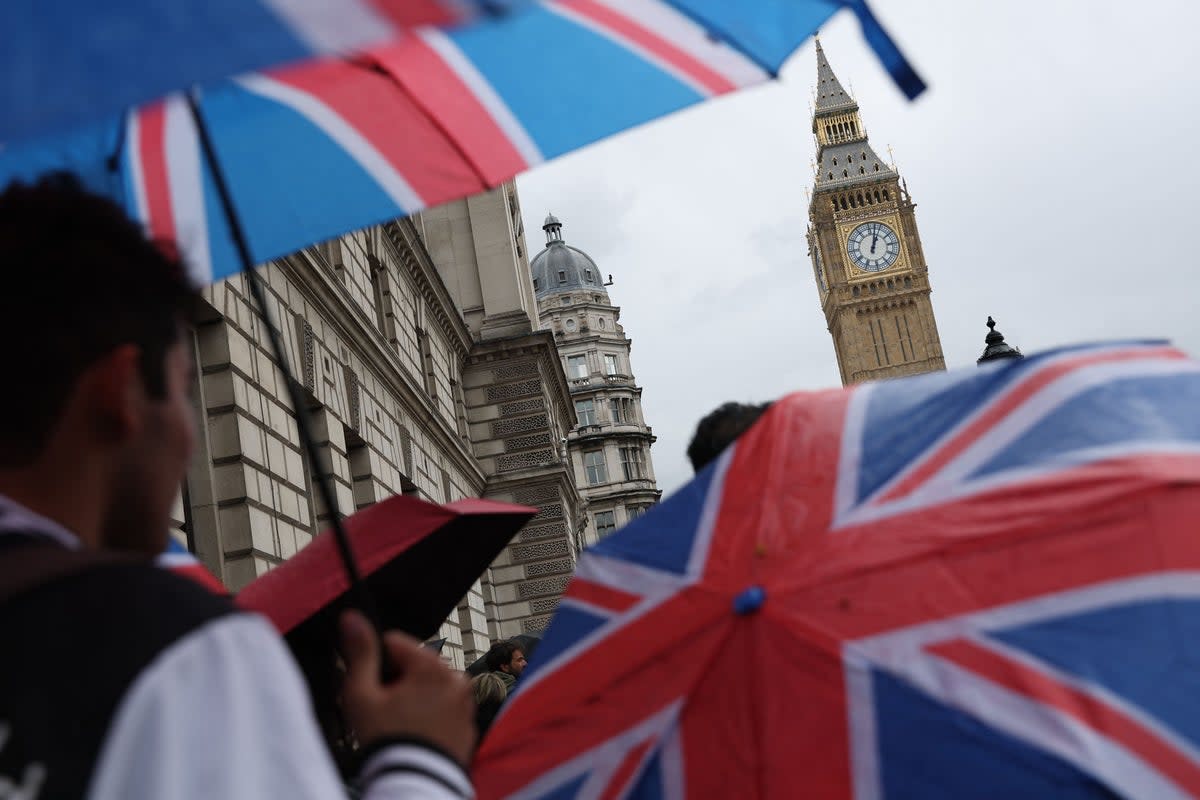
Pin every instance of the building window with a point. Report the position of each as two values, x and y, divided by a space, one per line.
633 512
606 521
614 406
535 284
588 274
586 411
576 367
594 466
600 322
562 276
571 325
610 364
633 463
566 301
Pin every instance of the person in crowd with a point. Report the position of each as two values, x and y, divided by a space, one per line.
179 694
719 429
506 660
490 694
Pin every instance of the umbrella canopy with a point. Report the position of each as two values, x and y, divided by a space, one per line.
311 151
65 62
419 559
977 583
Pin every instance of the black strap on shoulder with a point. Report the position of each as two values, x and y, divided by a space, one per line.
27 563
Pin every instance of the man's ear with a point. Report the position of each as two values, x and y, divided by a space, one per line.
112 388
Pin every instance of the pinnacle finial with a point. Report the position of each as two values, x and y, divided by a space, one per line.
996 349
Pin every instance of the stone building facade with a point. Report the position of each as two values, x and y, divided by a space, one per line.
866 250
426 373
610 447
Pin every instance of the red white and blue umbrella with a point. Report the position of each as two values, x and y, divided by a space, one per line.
314 150
981 583
64 62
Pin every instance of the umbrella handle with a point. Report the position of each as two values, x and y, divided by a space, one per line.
360 597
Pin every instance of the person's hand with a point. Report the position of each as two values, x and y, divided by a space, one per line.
426 700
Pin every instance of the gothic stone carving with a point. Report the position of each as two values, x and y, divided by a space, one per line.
539 550
525 442
523 406
507 427
542 531
524 460
518 370
512 391
553 586
556 567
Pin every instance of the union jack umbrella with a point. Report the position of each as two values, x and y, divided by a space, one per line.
981 583
313 150
66 62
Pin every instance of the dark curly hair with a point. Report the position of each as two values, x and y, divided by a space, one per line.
501 655
81 279
718 430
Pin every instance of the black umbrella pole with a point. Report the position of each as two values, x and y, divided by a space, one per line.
359 595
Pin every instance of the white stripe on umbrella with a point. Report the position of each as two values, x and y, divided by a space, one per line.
674 31
487 96
186 184
343 133
691 37
137 177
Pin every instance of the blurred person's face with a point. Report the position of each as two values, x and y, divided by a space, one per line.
517 665
153 459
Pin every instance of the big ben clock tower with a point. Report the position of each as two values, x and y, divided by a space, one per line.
866 252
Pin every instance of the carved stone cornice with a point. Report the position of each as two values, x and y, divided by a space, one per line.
410 249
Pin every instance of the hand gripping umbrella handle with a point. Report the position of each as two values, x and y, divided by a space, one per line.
359 595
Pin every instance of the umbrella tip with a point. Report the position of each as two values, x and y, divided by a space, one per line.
749 600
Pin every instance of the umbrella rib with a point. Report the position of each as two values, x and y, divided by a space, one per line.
362 597
429 115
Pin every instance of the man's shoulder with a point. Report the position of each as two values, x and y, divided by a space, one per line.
130 610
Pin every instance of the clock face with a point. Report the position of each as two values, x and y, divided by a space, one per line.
873 246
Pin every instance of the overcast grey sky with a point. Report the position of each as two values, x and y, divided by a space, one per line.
1053 161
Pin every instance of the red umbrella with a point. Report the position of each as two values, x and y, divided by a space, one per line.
419 560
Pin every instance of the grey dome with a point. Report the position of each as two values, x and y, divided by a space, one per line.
562 268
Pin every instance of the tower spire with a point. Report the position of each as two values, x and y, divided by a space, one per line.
831 95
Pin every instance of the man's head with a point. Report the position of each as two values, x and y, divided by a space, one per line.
506 657
719 429
99 374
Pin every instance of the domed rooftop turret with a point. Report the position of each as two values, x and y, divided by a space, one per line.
997 349
562 268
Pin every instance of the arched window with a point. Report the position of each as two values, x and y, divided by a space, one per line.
886 196
843 202
862 170
855 292
835 162
845 173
